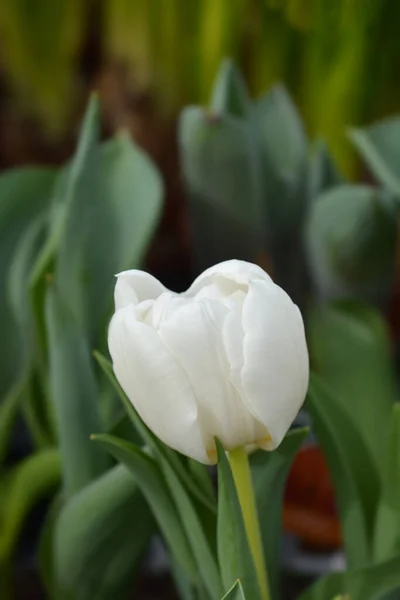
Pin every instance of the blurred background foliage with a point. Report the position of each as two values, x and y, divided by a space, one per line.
338 59
273 160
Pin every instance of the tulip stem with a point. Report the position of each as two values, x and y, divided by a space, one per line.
240 466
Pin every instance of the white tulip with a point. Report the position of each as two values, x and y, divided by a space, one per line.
227 358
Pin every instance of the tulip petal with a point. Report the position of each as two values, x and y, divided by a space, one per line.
239 272
135 286
155 384
276 369
192 334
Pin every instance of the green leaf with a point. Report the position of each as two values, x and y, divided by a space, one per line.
235 593
160 449
350 348
229 94
387 527
8 411
74 186
364 584
150 480
351 236
24 196
354 474
75 396
108 227
222 172
324 173
28 482
379 146
234 554
269 472
38 416
99 538
281 132
45 548
206 561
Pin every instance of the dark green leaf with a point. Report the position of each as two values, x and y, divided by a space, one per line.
24 196
229 95
152 484
222 171
235 559
100 537
370 583
45 548
324 173
349 346
379 146
75 396
206 561
387 527
353 471
351 236
269 471
29 482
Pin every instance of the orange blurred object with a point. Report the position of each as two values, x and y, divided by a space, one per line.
309 510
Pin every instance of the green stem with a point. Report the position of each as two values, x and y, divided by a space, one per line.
242 476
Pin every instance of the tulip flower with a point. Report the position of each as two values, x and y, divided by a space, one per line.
227 358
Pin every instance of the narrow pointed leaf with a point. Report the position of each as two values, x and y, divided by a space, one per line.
269 472
353 472
75 396
152 485
229 95
236 593
206 561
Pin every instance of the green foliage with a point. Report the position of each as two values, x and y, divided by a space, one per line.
64 235
99 537
270 471
351 237
149 478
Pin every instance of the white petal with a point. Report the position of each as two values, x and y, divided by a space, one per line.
136 286
276 368
193 334
155 384
238 271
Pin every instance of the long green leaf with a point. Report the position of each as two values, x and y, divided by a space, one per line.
206 562
353 472
152 484
234 554
379 146
269 471
387 527
24 195
75 396
349 345
36 476
366 584
99 537
222 171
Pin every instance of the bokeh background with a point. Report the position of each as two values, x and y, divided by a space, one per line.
147 60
